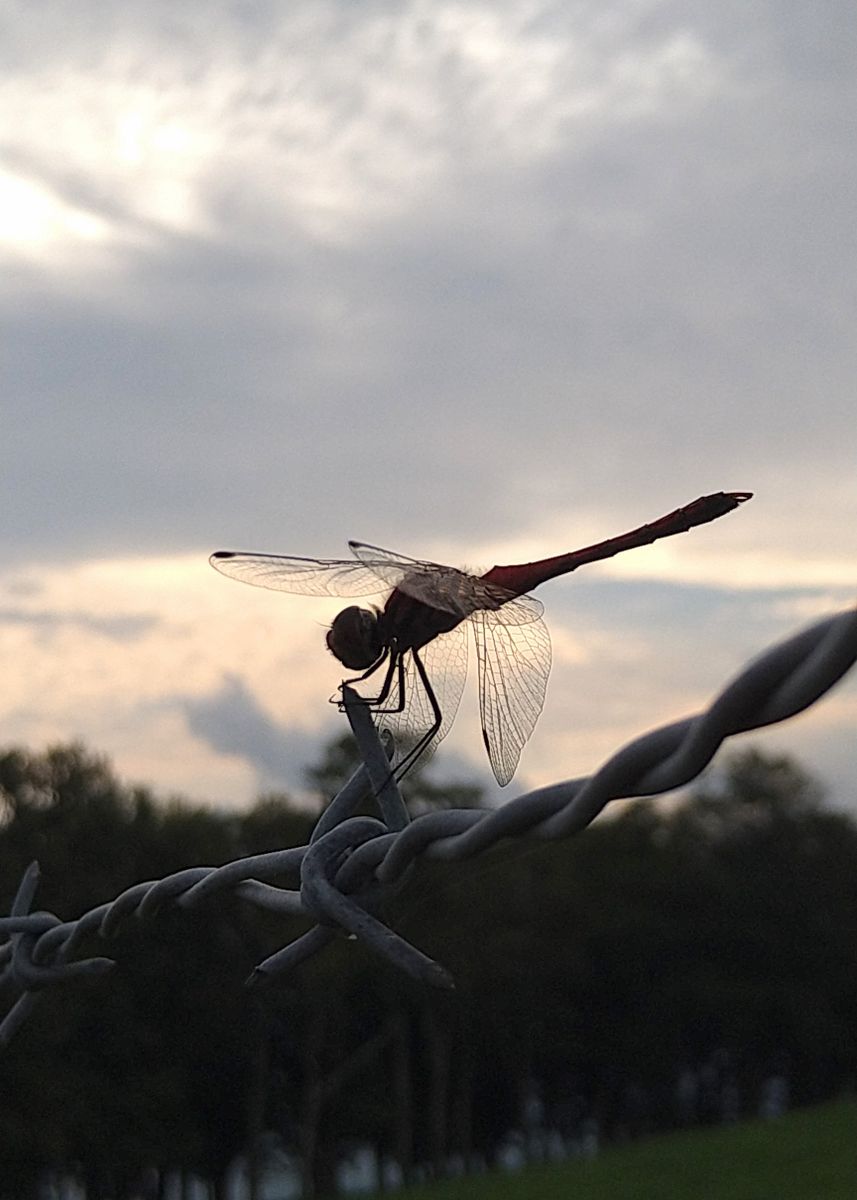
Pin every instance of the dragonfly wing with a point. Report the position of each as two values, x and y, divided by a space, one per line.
520 610
304 576
445 588
514 663
445 661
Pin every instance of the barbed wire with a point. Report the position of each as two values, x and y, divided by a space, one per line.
352 864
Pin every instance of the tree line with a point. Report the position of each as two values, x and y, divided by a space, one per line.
708 940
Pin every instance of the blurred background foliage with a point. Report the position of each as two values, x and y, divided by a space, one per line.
708 937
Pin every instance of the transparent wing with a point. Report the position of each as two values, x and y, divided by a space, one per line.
514 664
304 576
445 588
445 661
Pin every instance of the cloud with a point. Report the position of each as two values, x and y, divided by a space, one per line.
120 628
231 721
469 251
476 282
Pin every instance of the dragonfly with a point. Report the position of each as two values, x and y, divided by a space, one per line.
415 642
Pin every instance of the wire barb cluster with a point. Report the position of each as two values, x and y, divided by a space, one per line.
353 863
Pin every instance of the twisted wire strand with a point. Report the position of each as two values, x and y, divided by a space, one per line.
352 864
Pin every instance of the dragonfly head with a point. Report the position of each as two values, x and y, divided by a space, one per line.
355 638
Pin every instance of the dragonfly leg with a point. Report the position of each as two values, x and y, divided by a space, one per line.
428 737
371 671
378 703
372 701
396 669
394 664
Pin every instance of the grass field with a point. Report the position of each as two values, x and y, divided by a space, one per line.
810 1154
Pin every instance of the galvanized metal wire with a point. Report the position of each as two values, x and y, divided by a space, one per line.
353 863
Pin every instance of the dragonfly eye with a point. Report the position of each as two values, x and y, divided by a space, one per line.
355 638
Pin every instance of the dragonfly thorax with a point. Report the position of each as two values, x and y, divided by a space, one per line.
356 638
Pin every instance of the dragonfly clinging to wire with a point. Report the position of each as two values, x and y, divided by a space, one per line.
419 634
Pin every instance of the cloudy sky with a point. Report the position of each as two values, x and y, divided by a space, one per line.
478 282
